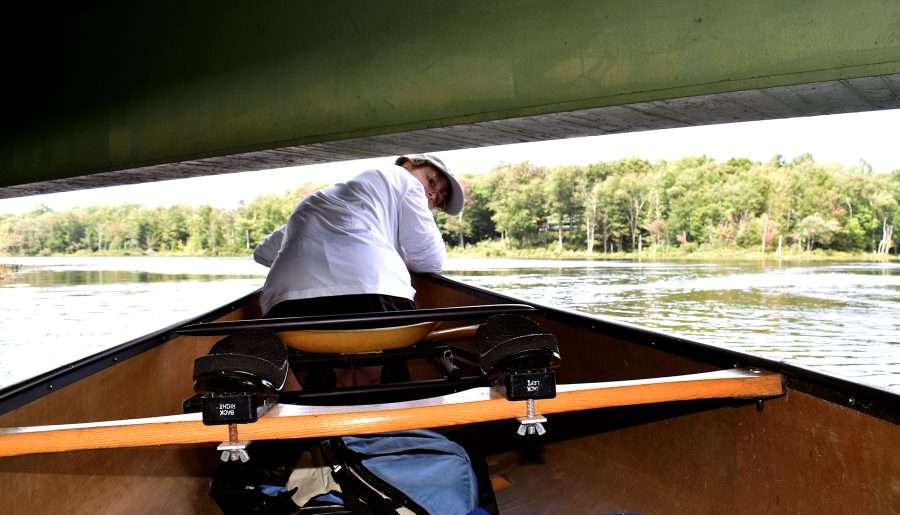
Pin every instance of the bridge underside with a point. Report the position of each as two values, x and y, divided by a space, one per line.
123 93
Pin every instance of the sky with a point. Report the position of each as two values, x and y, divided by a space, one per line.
845 139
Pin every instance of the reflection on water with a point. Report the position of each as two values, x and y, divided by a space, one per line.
44 278
63 309
841 318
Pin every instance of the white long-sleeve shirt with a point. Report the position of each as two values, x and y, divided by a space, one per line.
358 237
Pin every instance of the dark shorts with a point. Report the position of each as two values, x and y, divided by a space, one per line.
339 305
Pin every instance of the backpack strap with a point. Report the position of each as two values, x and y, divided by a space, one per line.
365 491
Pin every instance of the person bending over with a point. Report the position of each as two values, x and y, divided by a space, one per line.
349 248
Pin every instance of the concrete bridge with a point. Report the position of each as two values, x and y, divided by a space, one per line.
120 92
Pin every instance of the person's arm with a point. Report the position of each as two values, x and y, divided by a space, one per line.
421 245
265 252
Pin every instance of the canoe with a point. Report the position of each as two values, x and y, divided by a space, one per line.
659 424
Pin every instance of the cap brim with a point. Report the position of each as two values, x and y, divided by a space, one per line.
455 204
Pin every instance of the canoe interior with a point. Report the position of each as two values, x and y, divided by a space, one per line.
799 454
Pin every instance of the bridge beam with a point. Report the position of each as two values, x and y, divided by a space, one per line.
136 91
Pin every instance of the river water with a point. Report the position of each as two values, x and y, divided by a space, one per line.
838 317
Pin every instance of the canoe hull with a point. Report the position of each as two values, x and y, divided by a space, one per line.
799 454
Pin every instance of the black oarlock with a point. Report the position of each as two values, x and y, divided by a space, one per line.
517 353
253 361
512 343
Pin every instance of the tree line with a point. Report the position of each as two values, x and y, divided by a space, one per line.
620 206
133 229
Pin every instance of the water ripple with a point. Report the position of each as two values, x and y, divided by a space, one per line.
842 318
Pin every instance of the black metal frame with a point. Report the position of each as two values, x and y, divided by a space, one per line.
380 319
372 394
460 372
299 360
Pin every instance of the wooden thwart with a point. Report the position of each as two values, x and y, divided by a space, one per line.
471 406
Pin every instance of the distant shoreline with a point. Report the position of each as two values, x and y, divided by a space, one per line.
678 255
494 252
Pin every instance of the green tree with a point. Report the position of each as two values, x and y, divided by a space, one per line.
633 194
816 229
519 203
478 215
564 190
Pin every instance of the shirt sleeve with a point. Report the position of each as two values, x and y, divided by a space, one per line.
265 252
421 245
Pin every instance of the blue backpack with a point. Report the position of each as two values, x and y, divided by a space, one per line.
421 470
417 471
